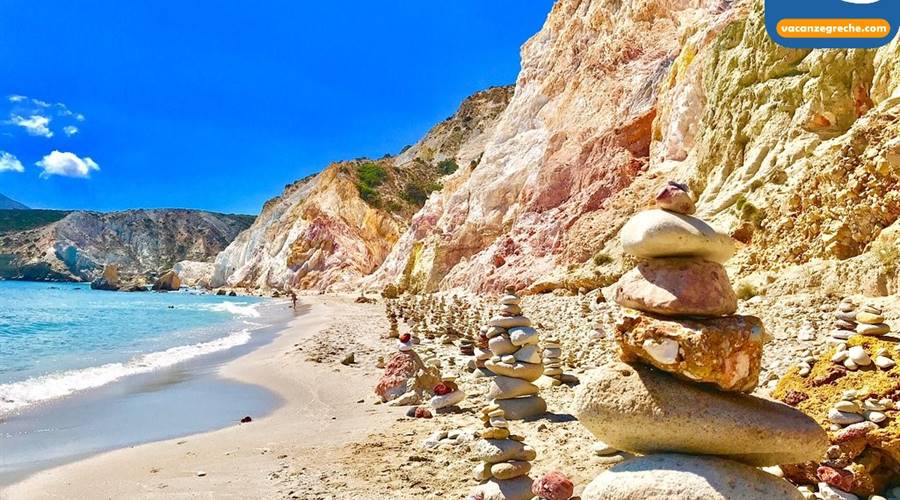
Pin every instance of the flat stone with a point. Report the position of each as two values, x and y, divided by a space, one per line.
509 321
522 408
494 451
510 310
450 399
845 325
524 371
494 331
677 287
510 300
553 372
642 410
529 354
495 433
869 318
673 476
501 346
510 489
660 233
508 387
725 352
844 418
523 336
510 470
849 316
552 352
876 329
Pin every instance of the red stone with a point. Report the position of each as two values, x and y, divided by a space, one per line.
553 486
839 478
441 390
422 412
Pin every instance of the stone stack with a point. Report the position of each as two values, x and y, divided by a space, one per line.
845 320
505 460
516 360
870 321
690 361
552 355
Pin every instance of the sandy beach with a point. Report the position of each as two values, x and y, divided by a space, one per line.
323 410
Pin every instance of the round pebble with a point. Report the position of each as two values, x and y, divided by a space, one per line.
847 406
858 355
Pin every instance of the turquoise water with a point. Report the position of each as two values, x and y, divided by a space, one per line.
57 339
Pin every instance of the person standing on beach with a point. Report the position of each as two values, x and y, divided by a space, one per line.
293 300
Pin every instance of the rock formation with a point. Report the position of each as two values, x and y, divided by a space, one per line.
333 228
786 152
169 281
858 406
505 460
516 360
682 391
139 242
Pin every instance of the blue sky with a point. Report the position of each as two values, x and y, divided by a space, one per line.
218 104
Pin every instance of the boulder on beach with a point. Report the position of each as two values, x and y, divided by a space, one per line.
673 476
404 372
677 287
169 281
725 352
643 410
661 233
109 280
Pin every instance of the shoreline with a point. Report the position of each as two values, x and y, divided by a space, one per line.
318 409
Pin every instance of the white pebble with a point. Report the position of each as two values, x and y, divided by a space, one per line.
847 406
774 470
850 364
884 362
839 356
829 492
849 395
875 416
844 418
858 355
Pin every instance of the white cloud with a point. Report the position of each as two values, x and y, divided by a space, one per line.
17 98
35 124
70 130
9 163
79 117
67 165
43 104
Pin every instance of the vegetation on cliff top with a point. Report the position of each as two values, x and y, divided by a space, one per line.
21 220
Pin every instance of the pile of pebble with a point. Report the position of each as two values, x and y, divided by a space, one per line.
552 355
851 410
505 460
856 357
681 342
850 320
845 320
516 360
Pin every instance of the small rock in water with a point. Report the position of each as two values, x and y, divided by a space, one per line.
246 420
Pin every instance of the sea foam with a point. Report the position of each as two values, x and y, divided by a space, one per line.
17 395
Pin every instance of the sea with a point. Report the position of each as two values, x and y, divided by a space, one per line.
76 363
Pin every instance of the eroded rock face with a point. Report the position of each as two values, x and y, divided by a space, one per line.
138 242
321 234
791 152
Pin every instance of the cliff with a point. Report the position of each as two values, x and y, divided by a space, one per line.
77 246
331 229
792 152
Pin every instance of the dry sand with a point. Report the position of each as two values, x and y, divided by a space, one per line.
323 411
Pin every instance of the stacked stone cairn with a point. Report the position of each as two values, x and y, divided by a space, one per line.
552 355
505 460
516 360
845 320
870 321
680 397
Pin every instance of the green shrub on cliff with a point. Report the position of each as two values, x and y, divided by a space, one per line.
448 166
369 176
